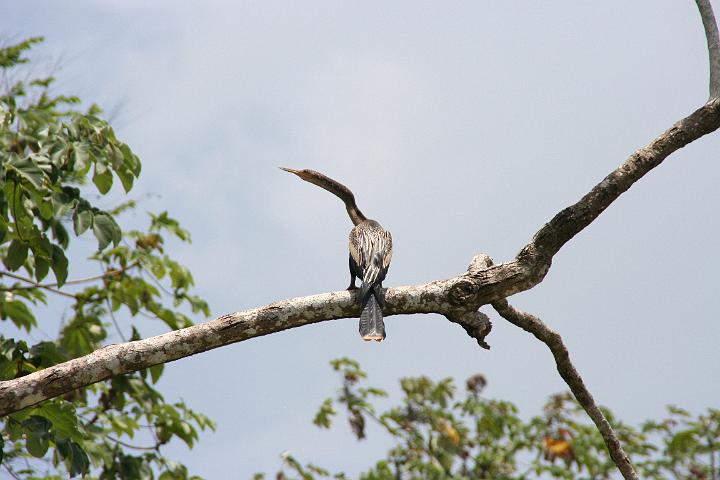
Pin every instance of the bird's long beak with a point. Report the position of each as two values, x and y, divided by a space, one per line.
299 173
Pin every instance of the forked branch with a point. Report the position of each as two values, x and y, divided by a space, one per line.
452 298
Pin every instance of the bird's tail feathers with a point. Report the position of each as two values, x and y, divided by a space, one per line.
372 326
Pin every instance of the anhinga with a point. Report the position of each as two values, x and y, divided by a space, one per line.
370 255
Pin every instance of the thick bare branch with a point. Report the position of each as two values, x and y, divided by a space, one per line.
713 42
132 356
444 297
455 298
569 373
570 221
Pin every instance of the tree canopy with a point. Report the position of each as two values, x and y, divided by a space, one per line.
56 163
441 431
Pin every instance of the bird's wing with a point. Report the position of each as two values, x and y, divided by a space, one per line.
371 248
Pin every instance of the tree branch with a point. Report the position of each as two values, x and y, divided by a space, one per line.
456 298
569 373
713 42
35 285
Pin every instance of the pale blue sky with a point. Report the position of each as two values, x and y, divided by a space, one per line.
462 126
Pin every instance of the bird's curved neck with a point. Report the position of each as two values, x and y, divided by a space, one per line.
356 216
341 191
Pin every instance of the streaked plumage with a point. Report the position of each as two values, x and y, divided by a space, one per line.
370 255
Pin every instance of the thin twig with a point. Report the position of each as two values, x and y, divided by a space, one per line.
114 320
37 285
128 445
569 373
155 280
11 471
108 273
713 41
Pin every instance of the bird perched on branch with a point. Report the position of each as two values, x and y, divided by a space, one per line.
370 255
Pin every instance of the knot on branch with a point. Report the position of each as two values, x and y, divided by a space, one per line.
476 324
479 263
462 292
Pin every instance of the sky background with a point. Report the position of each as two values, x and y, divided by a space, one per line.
462 126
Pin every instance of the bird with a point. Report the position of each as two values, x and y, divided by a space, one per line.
371 250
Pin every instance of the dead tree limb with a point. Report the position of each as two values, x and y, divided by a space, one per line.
569 373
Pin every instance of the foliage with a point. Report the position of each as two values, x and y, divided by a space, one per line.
440 434
50 151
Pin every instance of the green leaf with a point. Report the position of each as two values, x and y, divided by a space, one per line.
36 444
102 178
36 423
41 247
20 314
37 434
41 268
76 460
62 417
164 221
59 265
46 354
131 160
156 372
45 208
27 169
683 442
81 157
82 220
126 177
12 54
62 203
323 418
3 230
60 234
16 255
106 230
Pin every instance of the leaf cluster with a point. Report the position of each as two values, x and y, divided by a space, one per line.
55 162
441 433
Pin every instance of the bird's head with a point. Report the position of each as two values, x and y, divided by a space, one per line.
312 176
304 174
334 187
